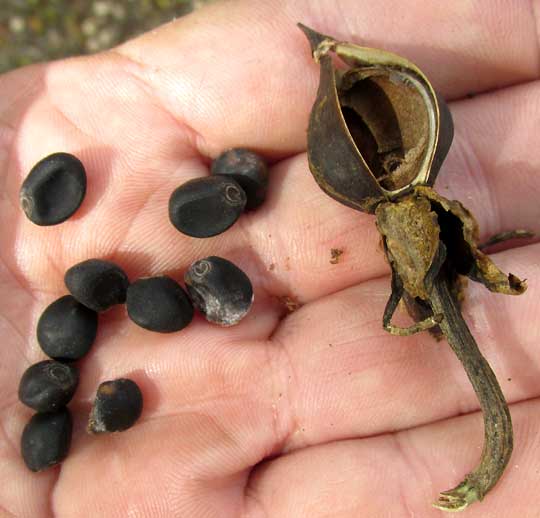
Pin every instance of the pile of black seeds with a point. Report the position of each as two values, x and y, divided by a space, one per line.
51 193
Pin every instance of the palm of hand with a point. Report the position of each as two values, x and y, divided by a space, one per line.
345 412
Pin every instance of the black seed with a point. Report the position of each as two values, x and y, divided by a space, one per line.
54 189
117 406
159 304
206 207
97 284
66 329
248 169
46 439
220 290
48 385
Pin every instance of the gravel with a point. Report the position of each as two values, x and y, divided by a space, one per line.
41 30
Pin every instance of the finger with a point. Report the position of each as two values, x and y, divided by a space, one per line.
397 474
241 74
350 378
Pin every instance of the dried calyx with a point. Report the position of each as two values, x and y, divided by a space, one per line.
377 136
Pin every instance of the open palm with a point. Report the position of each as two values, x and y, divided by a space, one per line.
312 413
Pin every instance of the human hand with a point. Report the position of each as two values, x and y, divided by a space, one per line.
315 413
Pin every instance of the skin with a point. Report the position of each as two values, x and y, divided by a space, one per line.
317 413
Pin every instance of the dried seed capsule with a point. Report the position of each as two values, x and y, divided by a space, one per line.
248 169
117 406
66 329
206 207
380 120
159 304
48 385
54 189
97 284
46 439
220 290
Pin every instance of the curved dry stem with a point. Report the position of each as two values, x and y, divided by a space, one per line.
498 441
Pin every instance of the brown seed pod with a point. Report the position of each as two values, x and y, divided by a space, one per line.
377 136
384 127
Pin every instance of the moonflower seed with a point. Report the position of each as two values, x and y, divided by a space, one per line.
248 169
159 304
46 439
66 329
97 284
117 406
220 290
48 385
206 207
54 189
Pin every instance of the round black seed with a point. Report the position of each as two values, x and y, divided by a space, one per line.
48 385
159 304
220 290
54 189
206 207
97 284
248 169
46 439
66 329
117 406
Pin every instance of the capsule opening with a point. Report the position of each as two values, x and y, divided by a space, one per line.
387 116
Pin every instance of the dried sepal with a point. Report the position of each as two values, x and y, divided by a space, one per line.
413 228
376 129
462 228
420 231
411 236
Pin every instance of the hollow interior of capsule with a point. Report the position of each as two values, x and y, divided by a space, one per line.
388 118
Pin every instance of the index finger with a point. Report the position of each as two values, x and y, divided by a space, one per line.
241 73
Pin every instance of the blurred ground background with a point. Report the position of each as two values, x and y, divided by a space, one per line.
40 30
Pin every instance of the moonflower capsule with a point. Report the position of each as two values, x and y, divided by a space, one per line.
378 134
